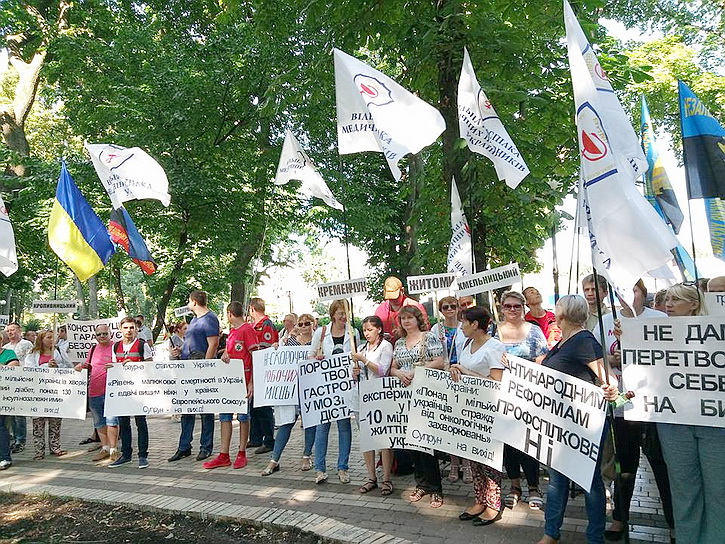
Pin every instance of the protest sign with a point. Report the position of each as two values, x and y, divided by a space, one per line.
455 417
430 283
4 320
715 303
181 311
43 392
327 389
54 306
275 375
82 336
675 365
198 386
488 280
342 289
553 417
384 407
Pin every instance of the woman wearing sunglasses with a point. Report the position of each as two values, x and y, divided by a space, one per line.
526 340
448 331
305 328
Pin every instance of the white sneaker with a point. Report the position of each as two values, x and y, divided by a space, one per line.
5 464
320 477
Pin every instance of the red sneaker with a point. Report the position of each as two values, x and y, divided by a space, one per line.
241 460
221 460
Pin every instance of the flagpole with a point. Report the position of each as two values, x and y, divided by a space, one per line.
692 240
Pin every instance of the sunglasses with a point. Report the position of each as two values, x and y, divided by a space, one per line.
448 307
512 306
304 323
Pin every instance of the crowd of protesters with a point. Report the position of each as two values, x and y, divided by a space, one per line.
466 340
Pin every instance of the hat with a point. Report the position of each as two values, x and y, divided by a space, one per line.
392 288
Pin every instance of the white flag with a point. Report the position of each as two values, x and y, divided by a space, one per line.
8 253
374 113
628 238
483 130
295 164
129 173
460 258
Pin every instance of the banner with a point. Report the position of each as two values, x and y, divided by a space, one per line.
129 173
374 113
198 386
460 248
675 367
294 163
483 130
4 320
384 408
275 375
43 392
455 417
714 302
82 336
343 289
327 390
181 311
54 306
553 417
488 280
430 283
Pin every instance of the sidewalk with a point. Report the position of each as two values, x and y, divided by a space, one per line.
290 497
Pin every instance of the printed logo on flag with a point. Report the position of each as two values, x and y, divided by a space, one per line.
373 91
593 147
484 105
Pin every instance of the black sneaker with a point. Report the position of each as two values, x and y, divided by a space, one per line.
120 461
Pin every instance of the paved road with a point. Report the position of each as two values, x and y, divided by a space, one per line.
291 497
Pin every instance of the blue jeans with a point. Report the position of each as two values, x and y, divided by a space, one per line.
344 440
124 432
206 441
283 434
693 454
595 503
19 429
261 430
4 441
96 404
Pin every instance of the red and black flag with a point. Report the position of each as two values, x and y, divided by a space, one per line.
124 233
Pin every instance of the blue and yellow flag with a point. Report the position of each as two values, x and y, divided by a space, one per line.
658 189
703 142
715 211
75 232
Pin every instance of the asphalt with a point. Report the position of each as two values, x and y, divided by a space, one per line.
333 511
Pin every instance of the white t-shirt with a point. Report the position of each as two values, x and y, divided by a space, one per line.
21 348
382 356
487 357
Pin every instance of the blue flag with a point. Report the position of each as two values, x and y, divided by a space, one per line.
703 142
124 233
715 211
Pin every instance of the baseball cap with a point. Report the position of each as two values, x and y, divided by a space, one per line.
392 288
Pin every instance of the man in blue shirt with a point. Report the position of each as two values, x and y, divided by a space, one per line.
200 342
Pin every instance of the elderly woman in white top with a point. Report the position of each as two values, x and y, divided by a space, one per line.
326 342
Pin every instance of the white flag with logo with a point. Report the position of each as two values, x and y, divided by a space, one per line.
629 239
295 164
8 253
460 257
374 113
129 173
483 130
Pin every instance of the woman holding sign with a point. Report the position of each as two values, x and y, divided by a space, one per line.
44 353
418 348
577 354
373 360
481 356
304 327
326 342
526 340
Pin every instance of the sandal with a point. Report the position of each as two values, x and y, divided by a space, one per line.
416 495
368 486
436 500
535 501
39 457
513 497
59 453
271 468
386 488
306 463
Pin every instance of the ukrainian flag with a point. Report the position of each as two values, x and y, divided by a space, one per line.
75 232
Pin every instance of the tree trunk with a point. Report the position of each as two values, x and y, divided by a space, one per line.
81 296
410 217
93 297
118 288
163 302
